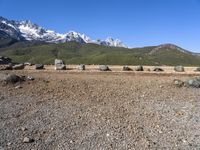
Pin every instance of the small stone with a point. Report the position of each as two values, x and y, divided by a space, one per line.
28 140
30 78
9 143
178 83
18 87
23 128
71 141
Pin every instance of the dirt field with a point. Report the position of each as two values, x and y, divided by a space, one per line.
72 110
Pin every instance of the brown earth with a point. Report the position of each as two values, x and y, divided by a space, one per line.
99 110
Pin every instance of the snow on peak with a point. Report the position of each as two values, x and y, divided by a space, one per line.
30 31
111 42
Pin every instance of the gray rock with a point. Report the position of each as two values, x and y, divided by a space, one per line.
28 140
81 67
139 68
39 66
6 67
197 69
178 83
179 69
195 82
59 65
18 87
18 67
104 68
126 68
28 64
157 69
9 78
30 78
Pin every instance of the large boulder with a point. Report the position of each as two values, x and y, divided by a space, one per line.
39 66
59 65
157 69
197 69
28 64
139 68
104 68
194 83
179 69
126 68
18 67
6 67
81 67
9 78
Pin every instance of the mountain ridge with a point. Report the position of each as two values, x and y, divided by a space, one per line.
26 30
90 53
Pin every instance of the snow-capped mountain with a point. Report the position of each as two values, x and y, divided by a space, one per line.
26 30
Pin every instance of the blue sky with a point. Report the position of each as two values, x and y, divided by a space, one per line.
136 22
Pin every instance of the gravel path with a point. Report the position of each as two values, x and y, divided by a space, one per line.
73 111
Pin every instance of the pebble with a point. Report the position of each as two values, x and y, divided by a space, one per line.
28 140
30 78
23 128
18 87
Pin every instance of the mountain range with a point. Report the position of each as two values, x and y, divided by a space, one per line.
28 31
24 41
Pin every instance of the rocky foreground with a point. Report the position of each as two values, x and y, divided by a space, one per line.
60 110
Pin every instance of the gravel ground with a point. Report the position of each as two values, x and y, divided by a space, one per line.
89 111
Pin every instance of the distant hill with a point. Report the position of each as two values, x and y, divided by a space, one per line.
76 53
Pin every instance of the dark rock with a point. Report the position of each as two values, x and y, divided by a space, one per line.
81 67
39 66
28 140
157 69
59 65
197 69
179 69
178 83
195 82
126 68
5 60
104 68
18 67
9 78
139 68
6 67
